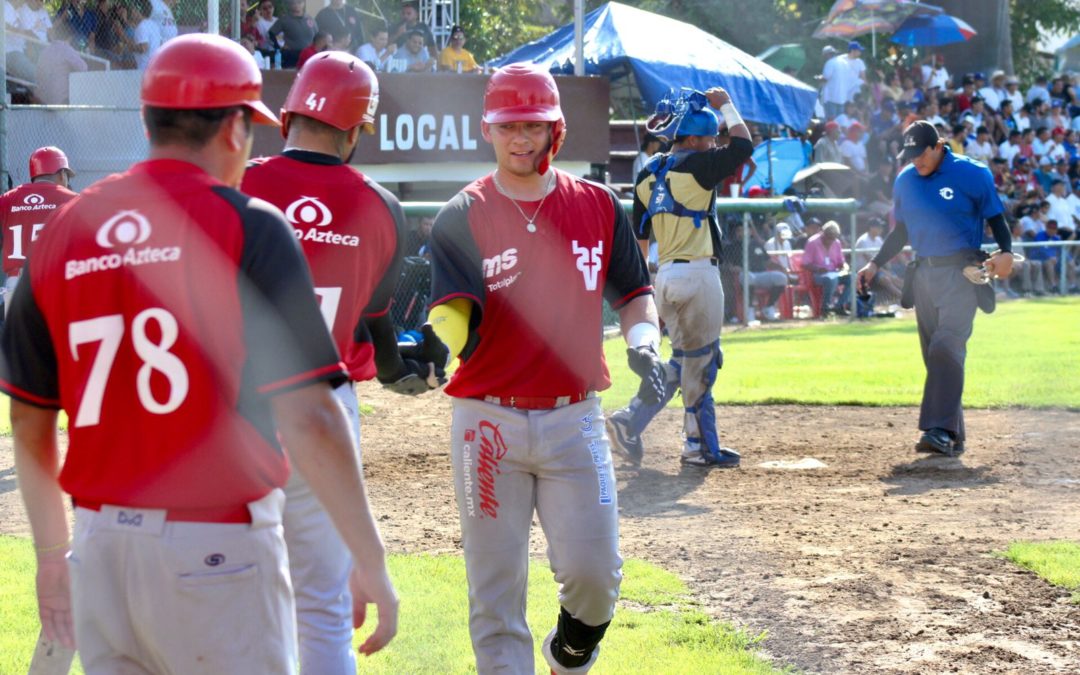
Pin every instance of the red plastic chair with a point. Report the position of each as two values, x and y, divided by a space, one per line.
806 286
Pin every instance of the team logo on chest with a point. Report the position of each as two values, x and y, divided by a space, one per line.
589 261
946 193
125 231
307 215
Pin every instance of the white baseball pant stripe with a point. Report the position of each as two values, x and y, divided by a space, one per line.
320 562
507 464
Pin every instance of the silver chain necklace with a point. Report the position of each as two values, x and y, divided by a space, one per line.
530 224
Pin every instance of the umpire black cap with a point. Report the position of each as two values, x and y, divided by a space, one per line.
919 136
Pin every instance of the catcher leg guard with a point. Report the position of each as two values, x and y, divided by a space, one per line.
700 410
642 414
572 646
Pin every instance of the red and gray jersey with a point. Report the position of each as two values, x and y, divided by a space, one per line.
352 231
24 211
161 310
537 325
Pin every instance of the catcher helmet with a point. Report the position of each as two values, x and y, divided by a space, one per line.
522 92
335 88
702 122
198 70
47 160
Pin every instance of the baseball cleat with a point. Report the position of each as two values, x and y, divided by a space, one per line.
941 442
622 440
729 459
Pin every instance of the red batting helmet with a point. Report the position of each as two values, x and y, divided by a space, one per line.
335 88
47 160
198 70
522 92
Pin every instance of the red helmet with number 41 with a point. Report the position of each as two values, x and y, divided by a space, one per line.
47 160
522 92
334 88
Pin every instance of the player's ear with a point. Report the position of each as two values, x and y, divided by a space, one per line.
236 131
485 131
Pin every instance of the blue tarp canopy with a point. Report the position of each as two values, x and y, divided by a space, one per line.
661 53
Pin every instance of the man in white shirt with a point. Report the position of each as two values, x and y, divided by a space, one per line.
836 78
161 14
147 36
936 76
1038 90
1012 91
1062 205
981 148
379 51
34 18
852 149
857 69
781 241
18 63
1010 148
994 92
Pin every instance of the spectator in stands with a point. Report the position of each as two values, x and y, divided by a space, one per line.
1037 91
999 168
410 21
825 259
147 36
320 43
292 33
781 241
343 23
379 51
113 36
34 19
264 21
18 61
827 149
878 192
650 145
1050 257
1012 91
1062 203
247 41
958 139
415 55
870 241
161 13
912 94
980 148
813 227
763 271
837 78
1011 147
853 151
55 65
455 58
935 75
82 19
994 92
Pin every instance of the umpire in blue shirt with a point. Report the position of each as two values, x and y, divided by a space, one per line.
940 204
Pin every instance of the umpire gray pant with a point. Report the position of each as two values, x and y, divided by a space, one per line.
945 305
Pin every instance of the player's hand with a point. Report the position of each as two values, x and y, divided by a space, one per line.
866 277
645 362
999 266
54 598
717 96
371 584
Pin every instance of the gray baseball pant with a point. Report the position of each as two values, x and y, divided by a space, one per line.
509 463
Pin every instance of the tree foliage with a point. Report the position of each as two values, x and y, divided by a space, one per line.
496 27
1029 19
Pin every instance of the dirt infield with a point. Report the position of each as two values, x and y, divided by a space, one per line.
880 562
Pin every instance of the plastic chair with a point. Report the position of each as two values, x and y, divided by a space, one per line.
806 286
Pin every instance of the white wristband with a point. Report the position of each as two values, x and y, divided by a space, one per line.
730 115
642 334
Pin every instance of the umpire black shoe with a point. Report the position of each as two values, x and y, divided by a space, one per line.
939 441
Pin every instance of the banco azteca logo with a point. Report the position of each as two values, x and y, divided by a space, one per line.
308 211
126 228
33 199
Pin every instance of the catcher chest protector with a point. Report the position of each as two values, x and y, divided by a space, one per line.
661 200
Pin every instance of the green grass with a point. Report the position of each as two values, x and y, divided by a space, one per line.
1055 561
1024 354
657 628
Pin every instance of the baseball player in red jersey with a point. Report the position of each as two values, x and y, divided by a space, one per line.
174 320
351 231
528 430
25 209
